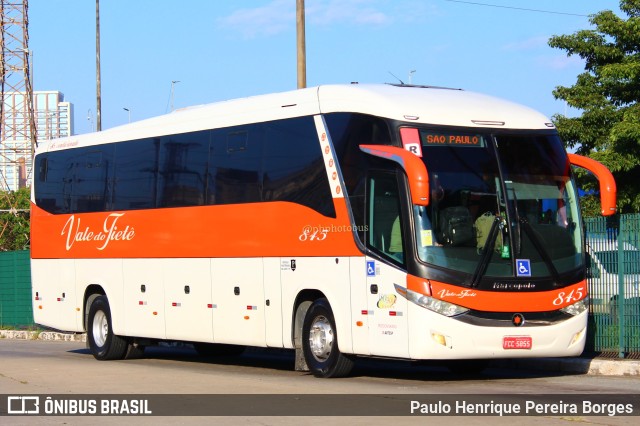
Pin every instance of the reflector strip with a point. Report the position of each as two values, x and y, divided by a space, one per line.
395 314
177 304
252 308
142 303
366 312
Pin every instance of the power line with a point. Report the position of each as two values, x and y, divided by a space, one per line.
517 8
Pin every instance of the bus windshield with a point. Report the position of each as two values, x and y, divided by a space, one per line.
502 205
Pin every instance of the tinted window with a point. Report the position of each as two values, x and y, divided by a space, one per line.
136 170
74 181
272 161
183 169
348 131
294 167
53 183
236 165
92 172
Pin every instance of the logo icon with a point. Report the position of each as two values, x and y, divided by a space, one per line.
23 405
517 320
523 267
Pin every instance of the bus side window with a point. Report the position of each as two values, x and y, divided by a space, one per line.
385 234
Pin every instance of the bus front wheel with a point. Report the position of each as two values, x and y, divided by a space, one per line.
320 343
103 343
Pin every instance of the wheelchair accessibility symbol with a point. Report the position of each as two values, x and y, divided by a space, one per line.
523 267
371 268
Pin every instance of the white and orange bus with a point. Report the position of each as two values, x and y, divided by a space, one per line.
408 222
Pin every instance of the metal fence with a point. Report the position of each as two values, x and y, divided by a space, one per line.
613 276
15 289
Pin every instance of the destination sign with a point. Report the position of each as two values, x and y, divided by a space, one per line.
432 138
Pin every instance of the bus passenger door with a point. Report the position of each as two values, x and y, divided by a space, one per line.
387 311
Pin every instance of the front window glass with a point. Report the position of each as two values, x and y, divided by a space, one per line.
497 200
543 197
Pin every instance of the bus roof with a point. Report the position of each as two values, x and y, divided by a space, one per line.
415 104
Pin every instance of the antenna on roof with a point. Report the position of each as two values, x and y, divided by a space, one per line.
394 76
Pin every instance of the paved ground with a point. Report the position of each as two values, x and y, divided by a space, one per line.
585 365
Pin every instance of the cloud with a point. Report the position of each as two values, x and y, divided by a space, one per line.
560 62
328 12
273 18
532 43
280 15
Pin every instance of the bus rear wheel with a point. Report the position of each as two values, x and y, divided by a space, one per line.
103 343
320 343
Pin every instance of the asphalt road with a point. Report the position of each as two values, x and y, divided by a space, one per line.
53 368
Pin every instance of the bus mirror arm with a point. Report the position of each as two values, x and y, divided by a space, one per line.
607 182
412 165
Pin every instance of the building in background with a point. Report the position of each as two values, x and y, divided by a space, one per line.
53 120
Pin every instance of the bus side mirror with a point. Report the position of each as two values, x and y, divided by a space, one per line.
607 182
412 165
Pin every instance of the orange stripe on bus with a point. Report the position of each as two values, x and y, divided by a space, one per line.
242 230
512 301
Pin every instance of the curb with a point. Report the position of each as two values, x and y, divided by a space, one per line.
580 365
42 335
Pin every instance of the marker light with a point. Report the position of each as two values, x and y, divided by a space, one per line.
438 306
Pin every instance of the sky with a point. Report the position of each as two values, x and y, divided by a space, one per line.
224 49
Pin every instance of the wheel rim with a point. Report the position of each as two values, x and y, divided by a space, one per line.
321 338
100 328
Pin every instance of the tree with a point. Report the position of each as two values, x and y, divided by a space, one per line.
608 93
14 219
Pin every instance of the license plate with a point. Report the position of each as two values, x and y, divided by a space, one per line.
517 342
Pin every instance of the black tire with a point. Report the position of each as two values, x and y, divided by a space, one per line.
320 343
467 366
217 349
134 351
104 345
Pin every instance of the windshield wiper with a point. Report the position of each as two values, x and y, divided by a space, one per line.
540 248
487 252
518 235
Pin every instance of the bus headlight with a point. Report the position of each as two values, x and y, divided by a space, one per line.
577 308
439 306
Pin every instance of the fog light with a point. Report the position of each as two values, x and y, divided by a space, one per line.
577 337
439 338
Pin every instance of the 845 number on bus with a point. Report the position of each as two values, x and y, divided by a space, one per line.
572 297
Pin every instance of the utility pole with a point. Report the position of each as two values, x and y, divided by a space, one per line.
18 130
301 43
98 83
